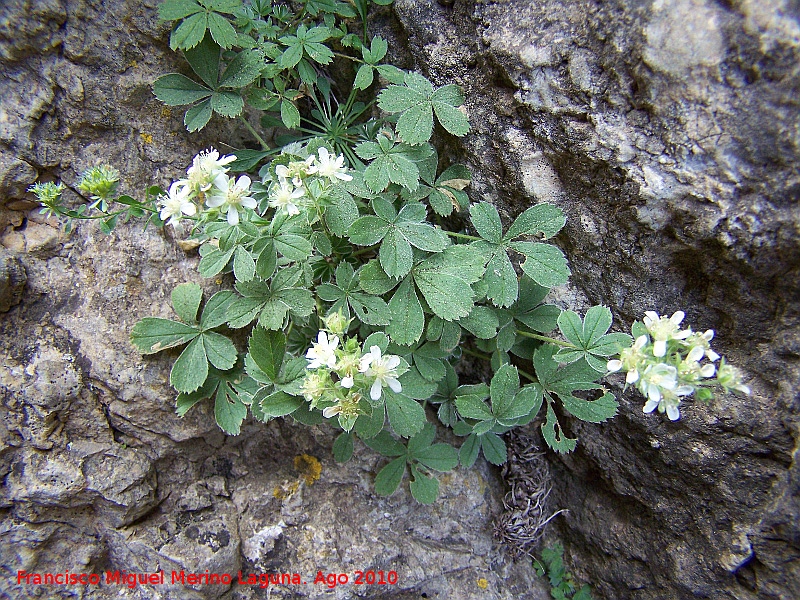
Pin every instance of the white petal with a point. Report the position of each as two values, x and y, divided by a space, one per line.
394 384
614 365
649 406
673 413
712 356
654 394
677 317
660 348
347 382
708 370
375 390
633 376
233 216
695 354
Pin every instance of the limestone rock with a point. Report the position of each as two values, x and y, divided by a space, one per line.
667 132
99 474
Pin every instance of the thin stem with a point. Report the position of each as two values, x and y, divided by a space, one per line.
254 133
480 355
462 236
527 375
544 338
365 250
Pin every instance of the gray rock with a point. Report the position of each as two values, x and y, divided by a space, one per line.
98 473
12 280
667 131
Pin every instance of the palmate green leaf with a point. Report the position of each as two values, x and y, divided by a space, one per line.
494 448
221 30
543 219
343 447
424 488
364 77
501 279
177 90
204 60
503 388
267 349
368 426
341 215
186 300
290 115
445 281
486 221
172 10
374 280
416 386
408 320
191 369
198 116
525 405
277 404
190 32
592 411
482 322
417 101
229 410
215 312
219 350
386 445
544 263
151 334
389 477
406 416
554 435
244 267
395 254
470 448
589 335
227 104
243 70
472 406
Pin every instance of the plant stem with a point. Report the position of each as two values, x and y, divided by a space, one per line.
476 354
462 236
525 374
544 338
365 250
254 133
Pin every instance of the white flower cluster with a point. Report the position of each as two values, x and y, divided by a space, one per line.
207 180
339 377
665 365
289 192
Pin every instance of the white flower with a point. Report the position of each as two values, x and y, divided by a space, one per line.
630 359
178 203
322 353
330 167
206 168
296 171
657 379
283 195
383 369
663 330
231 197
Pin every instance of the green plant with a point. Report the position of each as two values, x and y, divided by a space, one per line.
358 302
562 583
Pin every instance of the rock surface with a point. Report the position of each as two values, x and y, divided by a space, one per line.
98 473
668 133
666 130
